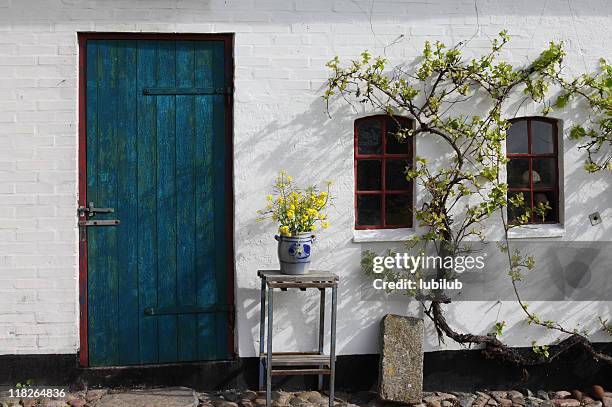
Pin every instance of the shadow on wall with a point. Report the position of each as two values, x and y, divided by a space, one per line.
320 148
312 148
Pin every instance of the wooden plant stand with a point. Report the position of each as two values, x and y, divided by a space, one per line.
296 363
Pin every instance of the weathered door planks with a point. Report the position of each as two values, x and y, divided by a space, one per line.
160 161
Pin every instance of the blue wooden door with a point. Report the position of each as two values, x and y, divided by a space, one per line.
156 153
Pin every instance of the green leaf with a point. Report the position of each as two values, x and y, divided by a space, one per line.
499 328
577 132
561 101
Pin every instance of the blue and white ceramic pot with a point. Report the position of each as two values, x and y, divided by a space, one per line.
294 253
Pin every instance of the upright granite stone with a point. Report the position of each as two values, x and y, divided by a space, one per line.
401 359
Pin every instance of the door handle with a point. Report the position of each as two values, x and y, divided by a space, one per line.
86 213
90 210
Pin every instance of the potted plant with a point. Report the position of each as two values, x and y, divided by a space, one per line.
297 212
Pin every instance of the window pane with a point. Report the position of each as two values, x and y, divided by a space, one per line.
369 175
516 211
394 146
517 141
518 173
541 138
398 209
395 175
546 202
544 174
369 137
369 210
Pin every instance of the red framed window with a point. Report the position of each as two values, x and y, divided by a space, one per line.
383 196
533 169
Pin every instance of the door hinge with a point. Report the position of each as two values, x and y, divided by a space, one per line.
173 91
188 309
101 222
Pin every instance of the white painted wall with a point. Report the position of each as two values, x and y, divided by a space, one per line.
280 49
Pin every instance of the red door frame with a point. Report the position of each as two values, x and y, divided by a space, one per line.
228 40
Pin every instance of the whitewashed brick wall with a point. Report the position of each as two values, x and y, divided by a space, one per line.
280 49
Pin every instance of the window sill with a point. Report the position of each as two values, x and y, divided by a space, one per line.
536 231
382 235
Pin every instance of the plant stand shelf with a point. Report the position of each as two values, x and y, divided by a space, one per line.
296 363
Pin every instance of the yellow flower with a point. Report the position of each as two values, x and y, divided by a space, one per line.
313 228
293 208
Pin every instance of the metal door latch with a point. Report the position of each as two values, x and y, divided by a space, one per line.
91 210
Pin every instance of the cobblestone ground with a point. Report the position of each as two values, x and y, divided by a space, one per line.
184 397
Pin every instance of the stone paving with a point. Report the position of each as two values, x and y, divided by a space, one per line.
595 396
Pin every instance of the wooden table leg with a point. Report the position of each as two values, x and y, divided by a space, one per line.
321 331
332 346
269 354
262 329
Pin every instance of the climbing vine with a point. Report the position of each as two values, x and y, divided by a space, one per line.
595 138
470 188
